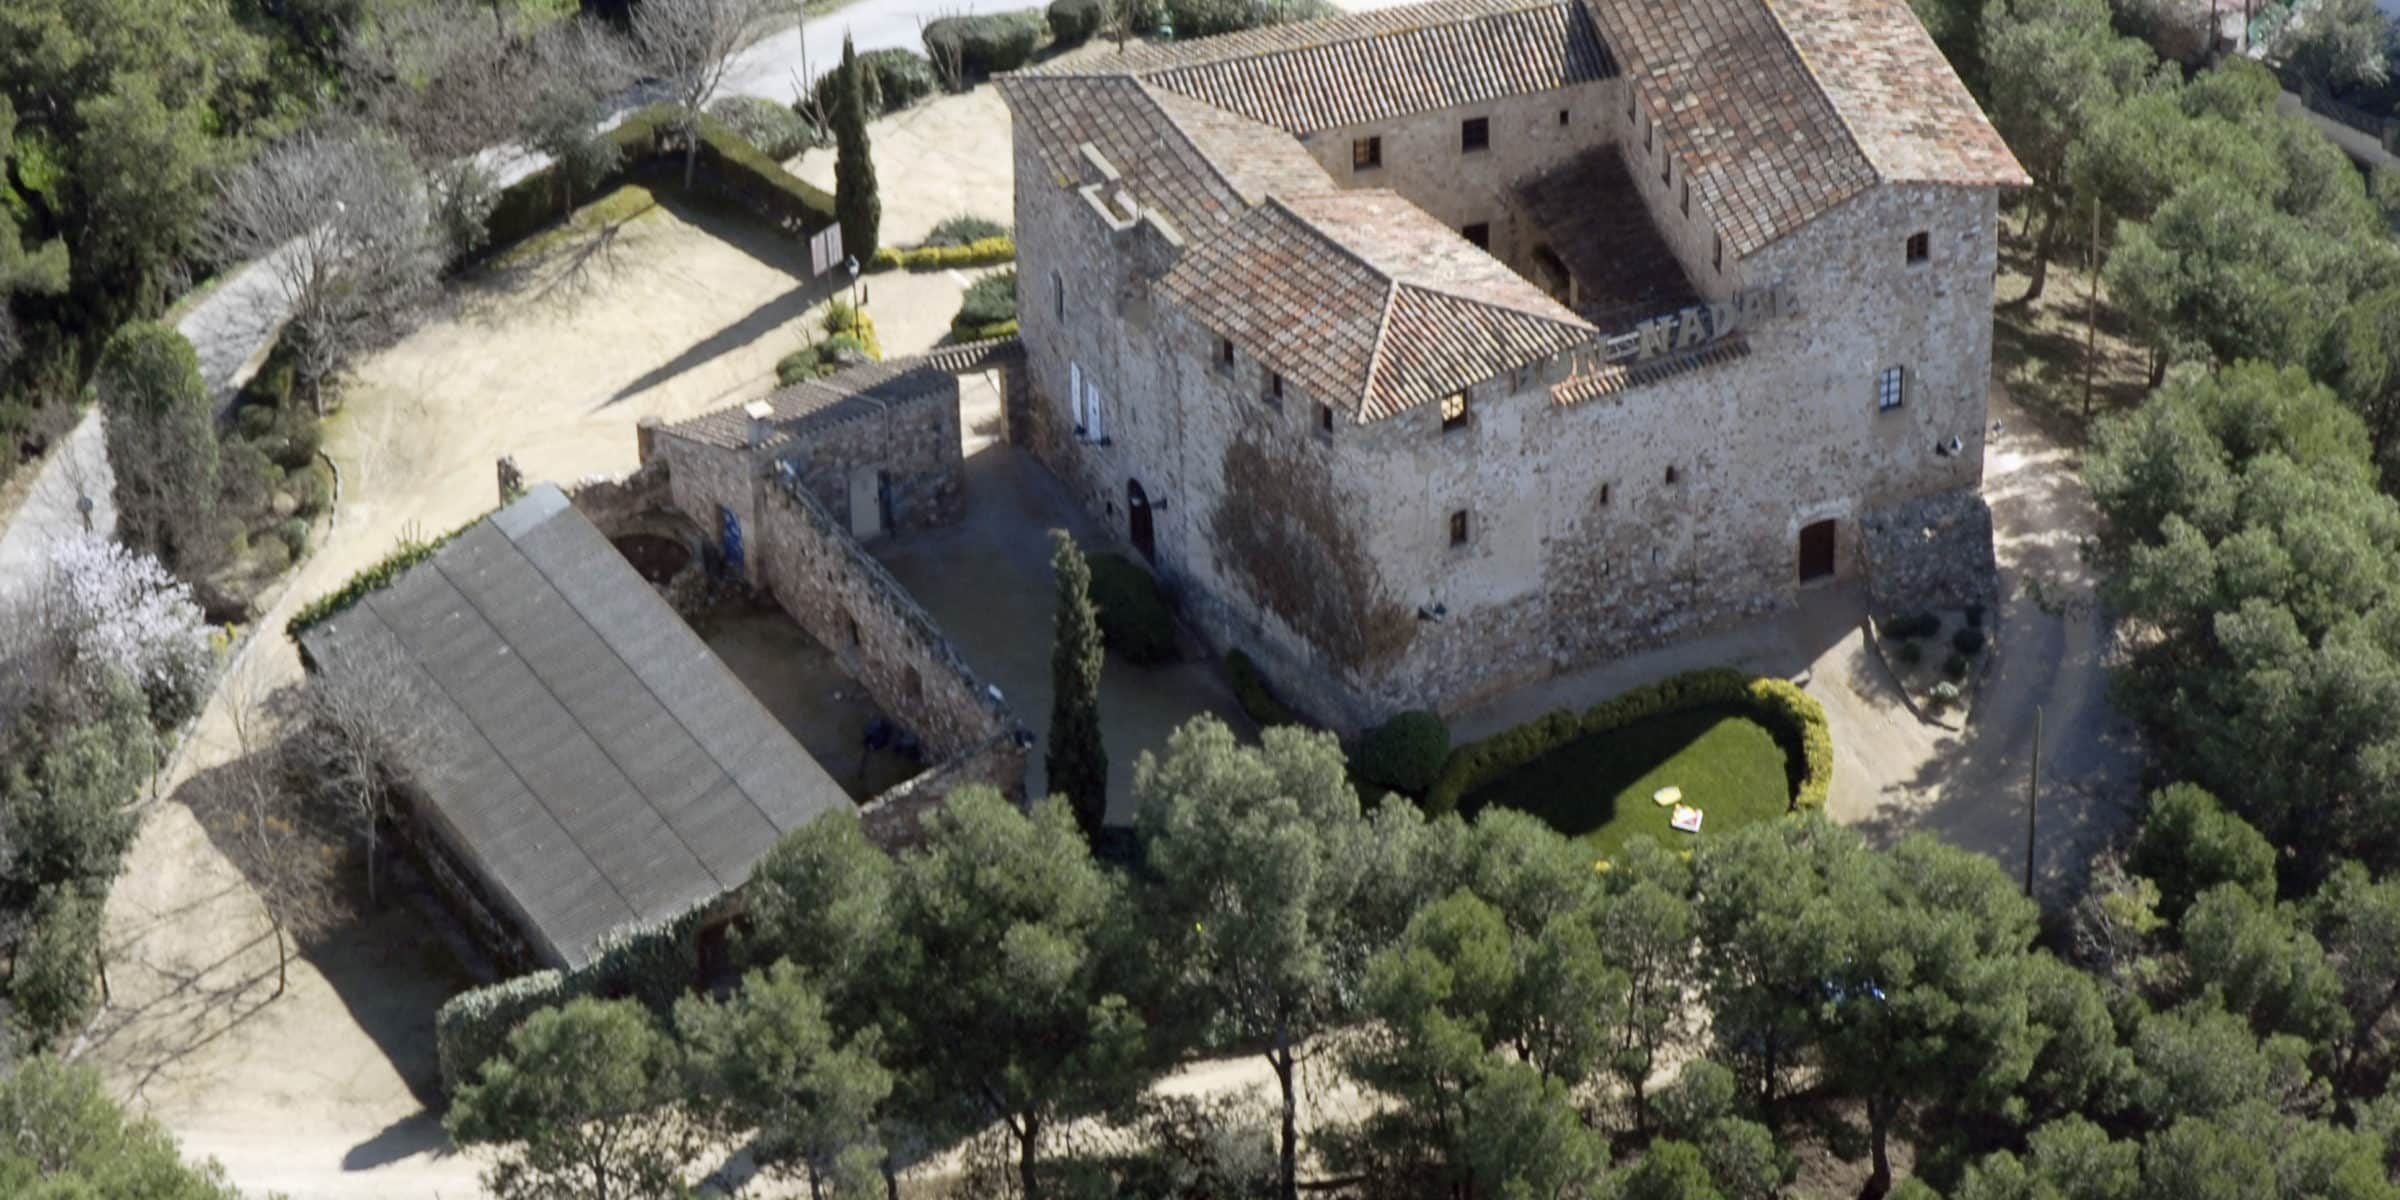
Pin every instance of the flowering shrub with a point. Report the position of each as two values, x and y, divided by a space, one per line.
108 610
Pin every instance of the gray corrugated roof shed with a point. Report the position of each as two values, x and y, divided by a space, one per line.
597 765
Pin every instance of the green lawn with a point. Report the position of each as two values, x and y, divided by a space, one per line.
1598 789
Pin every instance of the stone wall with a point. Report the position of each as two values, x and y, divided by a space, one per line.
884 639
621 505
912 444
895 818
1930 552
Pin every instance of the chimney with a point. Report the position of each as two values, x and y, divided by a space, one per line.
762 421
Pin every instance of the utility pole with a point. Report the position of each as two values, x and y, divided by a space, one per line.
2091 312
2033 799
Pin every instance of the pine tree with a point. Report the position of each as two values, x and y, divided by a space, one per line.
1076 762
855 203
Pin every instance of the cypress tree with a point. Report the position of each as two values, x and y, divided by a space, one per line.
1076 762
855 203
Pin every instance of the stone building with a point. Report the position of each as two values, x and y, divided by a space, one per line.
1430 351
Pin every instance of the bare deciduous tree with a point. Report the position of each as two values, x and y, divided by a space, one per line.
687 45
445 76
362 727
283 846
575 67
343 221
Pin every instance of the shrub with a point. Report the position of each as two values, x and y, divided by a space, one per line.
1967 641
1914 625
53 985
840 317
759 182
773 128
985 333
984 252
1135 622
1206 18
988 44
473 1026
311 487
253 422
1942 695
799 366
1910 652
1974 616
1791 715
294 536
1256 698
1955 666
989 300
899 78
300 434
1405 753
964 230
1073 22
830 352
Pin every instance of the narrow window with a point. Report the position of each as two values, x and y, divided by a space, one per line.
1366 153
1666 170
1673 475
850 626
1474 133
1720 255
1454 411
1632 104
1225 352
1458 528
1920 247
1650 138
912 684
1058 296
1325 419
1562 118
1604 493
1687 195
1888 389
1479 233
1275 390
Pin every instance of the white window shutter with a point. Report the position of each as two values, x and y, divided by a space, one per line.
1075 392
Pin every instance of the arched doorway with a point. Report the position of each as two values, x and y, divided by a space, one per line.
1816 551
1137 512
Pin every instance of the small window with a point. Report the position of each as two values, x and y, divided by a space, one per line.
1366 153
1479 233
1719 257
1458 528
1562 118
1673 475
1058 296
1225 352
1474 133
1632 104
1325 419
1275 390
850 626
1604 489
1454 411
1920 247
1687 195
1666 170
1889 387
1650 138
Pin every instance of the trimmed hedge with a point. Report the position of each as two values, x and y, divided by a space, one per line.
963 230
650 138
1135 622
775 129
655 964
988 44
1257 699
1073 22
983 252
1207 18
373 578
1790 714
985 333
1405 753
894 80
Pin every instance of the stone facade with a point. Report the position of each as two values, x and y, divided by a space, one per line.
1417 560
1930 552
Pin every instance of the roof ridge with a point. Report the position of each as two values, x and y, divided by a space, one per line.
1430 288
1491 10
1383 333
1236 45
1151 92
1816 83
1579 325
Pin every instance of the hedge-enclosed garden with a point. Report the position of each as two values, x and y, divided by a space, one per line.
1742 748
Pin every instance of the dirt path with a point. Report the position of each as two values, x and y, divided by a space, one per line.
322 1092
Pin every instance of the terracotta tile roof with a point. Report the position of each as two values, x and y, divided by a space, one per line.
1782 109
1371 66
1620 377
849 394
1906 109
1367 303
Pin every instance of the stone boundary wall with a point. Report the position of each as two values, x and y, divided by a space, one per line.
883 637
912 440
895 819
1934 551
612 505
